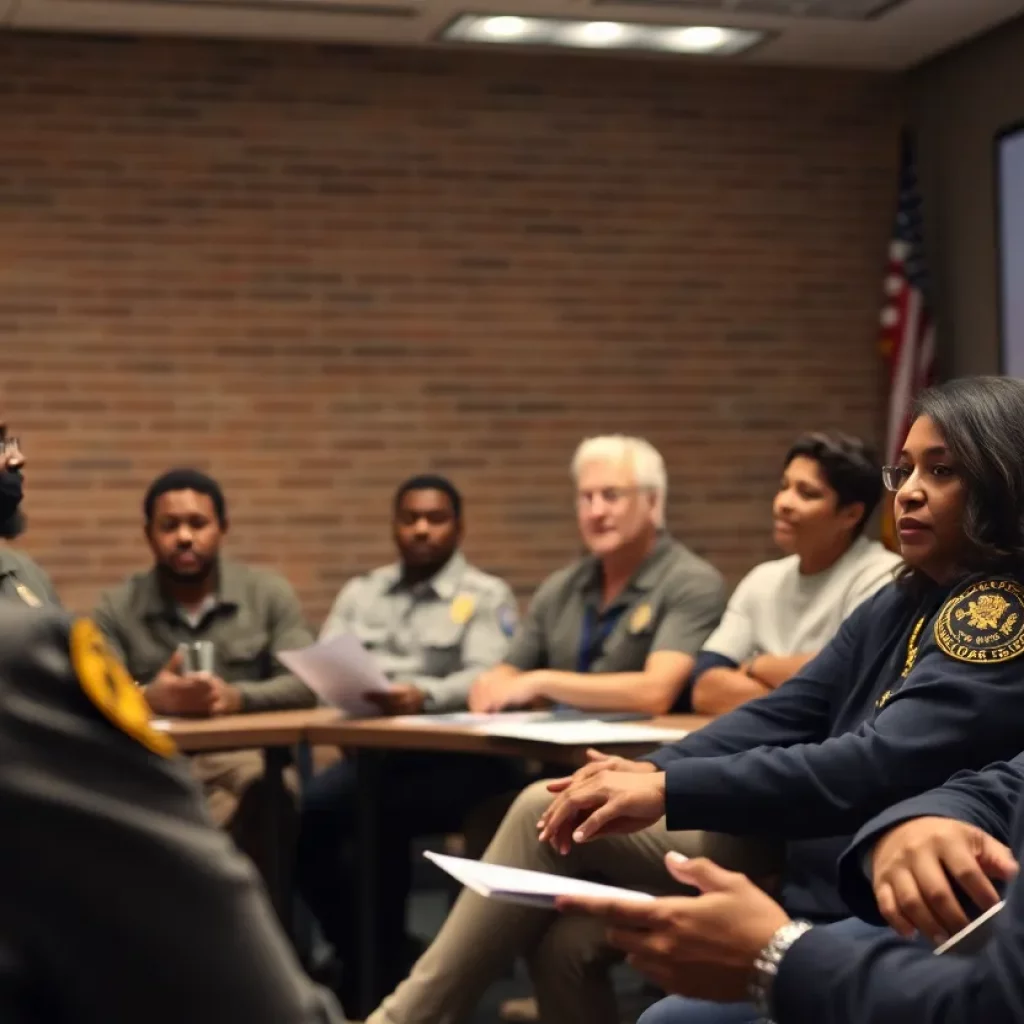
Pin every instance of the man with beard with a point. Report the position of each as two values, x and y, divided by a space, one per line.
20 577
192 595
433 623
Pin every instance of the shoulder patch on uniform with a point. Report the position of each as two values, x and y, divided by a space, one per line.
984 624
462 609
508 619
105 681
640 619
30 598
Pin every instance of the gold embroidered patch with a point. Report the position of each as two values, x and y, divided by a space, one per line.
462 609
106 682
27 596
640 619
985 623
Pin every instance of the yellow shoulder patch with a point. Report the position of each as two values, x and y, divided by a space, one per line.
462 609
984 624
105 681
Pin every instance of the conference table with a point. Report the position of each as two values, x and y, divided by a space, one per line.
366 742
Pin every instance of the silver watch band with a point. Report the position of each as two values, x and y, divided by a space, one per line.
766 966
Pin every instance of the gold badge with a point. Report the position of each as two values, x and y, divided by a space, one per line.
107 684
462 609
27 596
640 619
985 623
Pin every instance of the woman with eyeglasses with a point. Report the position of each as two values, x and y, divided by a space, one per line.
959 487
923 680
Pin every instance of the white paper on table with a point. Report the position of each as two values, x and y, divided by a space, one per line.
589 733
339 671
471 718
517 885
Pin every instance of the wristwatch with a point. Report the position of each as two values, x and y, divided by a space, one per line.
766 966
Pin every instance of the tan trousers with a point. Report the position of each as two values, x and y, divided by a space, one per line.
567 956
237 800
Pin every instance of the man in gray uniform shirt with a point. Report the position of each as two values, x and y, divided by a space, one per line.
433 623
121 902
619 629
21 579
192 595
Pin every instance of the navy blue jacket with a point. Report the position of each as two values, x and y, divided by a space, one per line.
829 979
848 736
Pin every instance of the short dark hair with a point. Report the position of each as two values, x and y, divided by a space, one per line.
185 480
431 482
850 467
981 420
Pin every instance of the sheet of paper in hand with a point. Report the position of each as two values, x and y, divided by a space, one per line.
971 939
339 671
532 888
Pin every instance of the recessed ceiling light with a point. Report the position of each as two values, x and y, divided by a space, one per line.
696 38
601 33
706 39
505 26
608 35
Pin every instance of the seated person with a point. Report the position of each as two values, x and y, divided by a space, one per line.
20 577
618 630
931 861
433 622
110 864
783 612
922 680
192 594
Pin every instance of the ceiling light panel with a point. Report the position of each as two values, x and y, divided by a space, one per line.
840 10
511 29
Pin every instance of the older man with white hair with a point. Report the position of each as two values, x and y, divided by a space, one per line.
619 629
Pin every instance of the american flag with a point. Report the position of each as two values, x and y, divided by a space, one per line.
908 332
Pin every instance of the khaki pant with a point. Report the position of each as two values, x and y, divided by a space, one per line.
567 956
237 800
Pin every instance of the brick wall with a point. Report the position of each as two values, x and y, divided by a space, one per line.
314 271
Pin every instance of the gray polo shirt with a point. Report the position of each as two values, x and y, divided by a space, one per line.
22 579
672 603
439 634
255 615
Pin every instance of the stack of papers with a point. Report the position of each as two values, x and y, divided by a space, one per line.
530 888
585 733
339 671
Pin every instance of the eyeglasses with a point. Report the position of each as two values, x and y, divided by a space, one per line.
609 495
894 477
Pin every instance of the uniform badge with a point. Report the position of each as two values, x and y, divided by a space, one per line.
462 609
508 619
105 681
27 596
640 619
984 624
